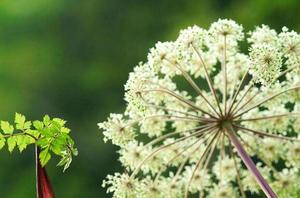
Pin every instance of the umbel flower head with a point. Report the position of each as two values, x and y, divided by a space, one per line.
205 118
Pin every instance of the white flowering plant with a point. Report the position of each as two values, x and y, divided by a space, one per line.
206 119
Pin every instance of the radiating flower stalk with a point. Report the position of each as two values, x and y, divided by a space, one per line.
204 118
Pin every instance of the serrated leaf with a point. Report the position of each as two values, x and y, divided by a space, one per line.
65 161
44 156
20 121
27 125
38 125
61 122
2 142
55 128
65 130
22 142
43 142
58 145
46 120
67 164
6 127
34 133
46 132
11 143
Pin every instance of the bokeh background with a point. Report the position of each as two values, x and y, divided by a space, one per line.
71 58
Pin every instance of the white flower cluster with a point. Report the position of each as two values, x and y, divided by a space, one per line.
198 103
265 63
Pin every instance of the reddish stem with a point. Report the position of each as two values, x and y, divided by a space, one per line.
248 162
43 185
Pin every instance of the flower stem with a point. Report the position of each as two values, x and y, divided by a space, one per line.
43 185
248 161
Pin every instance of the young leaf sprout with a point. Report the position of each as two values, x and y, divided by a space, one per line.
206 119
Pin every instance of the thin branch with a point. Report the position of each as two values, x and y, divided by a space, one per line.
188 157
238 176
208 159
193 84
180 112
225 78
209 81
267 99
21 133
285 72
236 105
198 164
200 132
180 98
166 117
269 117
222 156
212 150
261 133
238 90
245 104
165 136
280 75
176 156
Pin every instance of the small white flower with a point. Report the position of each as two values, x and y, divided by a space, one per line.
117 130
287 182
201 179
223 191
224 169
163 57
263 35
265 63
121 185
226 28
290 41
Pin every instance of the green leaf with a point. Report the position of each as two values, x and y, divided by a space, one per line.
58 145
65 130
20 121
44 156
43 142
22 142
46 120
65 161
11 143
6 127
34 133
27 125
2 142
38 125
61 122
55 127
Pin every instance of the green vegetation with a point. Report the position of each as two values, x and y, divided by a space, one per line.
50 135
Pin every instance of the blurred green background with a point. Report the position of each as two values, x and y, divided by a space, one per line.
71 59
